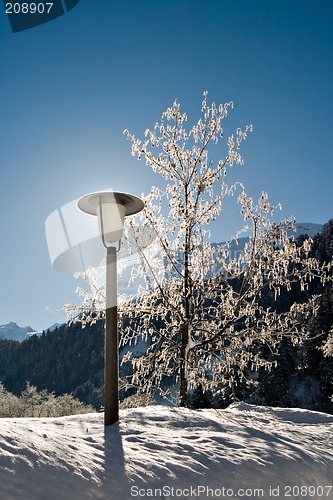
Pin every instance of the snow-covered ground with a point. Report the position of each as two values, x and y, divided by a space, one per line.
243 451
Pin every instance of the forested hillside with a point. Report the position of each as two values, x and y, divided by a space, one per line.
66 360
70 360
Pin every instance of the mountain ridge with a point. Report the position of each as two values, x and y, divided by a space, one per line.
11 331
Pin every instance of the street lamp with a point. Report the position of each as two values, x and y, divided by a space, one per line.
111 209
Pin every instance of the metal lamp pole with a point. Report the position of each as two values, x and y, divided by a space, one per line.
111 209
111 362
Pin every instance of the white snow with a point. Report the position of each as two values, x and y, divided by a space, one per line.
243 451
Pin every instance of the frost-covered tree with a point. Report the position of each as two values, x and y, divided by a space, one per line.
34 403
9 404
201 310
328 346
328 349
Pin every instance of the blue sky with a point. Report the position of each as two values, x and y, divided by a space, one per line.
70 87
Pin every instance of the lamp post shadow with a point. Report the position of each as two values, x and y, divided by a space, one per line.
115 480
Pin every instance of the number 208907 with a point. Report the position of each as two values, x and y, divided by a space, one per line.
29 8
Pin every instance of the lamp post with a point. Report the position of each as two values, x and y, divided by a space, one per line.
111 209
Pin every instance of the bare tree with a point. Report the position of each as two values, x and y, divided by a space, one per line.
200 309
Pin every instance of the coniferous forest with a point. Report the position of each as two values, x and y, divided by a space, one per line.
69 360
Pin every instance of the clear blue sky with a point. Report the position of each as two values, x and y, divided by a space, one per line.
70 87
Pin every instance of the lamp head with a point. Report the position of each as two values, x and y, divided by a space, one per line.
111 208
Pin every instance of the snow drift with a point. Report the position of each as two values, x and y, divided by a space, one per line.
243 451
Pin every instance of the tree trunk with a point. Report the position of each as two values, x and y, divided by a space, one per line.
183 368
185 327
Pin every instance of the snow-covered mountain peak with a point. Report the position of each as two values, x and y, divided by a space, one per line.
11 331
308 228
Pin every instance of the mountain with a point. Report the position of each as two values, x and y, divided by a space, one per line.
53 327
244 451
128 287
11 331
302 228
308 228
